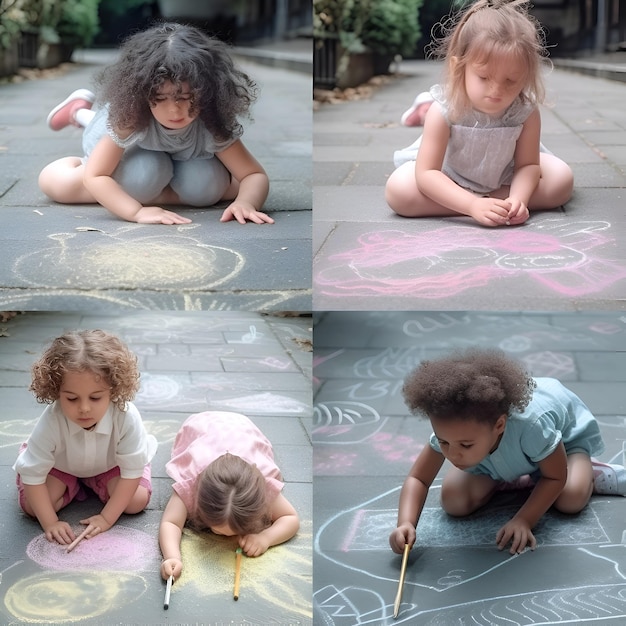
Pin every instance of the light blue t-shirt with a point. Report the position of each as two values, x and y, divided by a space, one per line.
554 414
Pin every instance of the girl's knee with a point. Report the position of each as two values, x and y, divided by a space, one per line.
139 501
200 182
143 174
456 502
573 499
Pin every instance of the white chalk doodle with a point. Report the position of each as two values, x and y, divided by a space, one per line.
345 422
351 541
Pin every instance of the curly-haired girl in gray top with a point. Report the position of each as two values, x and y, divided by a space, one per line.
168 132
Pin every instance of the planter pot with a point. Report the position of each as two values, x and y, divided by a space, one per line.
34 52
360 69
382 63
9 59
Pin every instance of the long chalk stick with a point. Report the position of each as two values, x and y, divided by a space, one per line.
237 573
79 538
168 590
405 559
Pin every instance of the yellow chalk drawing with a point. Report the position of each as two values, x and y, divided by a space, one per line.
119 263
282 576
66 597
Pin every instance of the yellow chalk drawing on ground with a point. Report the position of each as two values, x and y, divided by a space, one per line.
148 262
66 597
281 576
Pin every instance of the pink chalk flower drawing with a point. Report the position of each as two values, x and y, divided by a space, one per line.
558 254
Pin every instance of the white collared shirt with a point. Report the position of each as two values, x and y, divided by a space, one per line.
119 439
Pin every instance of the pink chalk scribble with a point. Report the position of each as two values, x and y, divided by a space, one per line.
119 549
556 253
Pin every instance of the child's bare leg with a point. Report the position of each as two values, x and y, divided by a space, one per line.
62 181
56 489
579 485
407 200
463 493
555 185
138 502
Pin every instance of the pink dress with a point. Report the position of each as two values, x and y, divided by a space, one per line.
204 437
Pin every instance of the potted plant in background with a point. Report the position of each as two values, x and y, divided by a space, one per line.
391 28
11 20
40 45
354 39
78 25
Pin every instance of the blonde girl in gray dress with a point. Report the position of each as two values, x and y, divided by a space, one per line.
479 154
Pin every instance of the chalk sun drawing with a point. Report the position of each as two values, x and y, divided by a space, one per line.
115 262
119 549
555 253
345 422
66 597
281 576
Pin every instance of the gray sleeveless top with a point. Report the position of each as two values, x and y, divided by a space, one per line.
480 151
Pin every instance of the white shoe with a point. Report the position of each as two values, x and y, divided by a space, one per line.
609 479
407 154
415 114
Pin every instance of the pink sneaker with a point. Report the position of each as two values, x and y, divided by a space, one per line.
414 116
609 479
63 114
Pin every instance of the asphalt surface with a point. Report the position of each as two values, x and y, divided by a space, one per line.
258 365
365 442
61 257
368 258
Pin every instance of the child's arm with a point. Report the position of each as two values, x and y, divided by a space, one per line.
253 185
170 534
527 170
38 498
99 182
546 491
432 182
285 524
413 496
120 498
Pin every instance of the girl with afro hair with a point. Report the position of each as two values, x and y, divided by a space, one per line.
501 428
167 132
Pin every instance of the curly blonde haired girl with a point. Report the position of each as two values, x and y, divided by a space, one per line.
91 433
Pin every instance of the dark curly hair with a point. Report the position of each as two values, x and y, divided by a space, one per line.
178 53
479 384
86 350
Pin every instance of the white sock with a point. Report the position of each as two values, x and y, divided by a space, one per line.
84 116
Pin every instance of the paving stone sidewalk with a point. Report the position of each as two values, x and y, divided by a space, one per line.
368 258
365 442
60 257
244 362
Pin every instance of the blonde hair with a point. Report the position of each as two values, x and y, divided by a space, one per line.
93 351
231 491
484 30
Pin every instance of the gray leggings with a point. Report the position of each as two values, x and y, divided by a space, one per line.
144 174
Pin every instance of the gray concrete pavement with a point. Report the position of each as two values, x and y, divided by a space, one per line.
365 442
75 257
368 258
244 362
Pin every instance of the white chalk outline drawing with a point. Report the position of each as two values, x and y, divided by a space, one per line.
568 605
190 262
330 420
